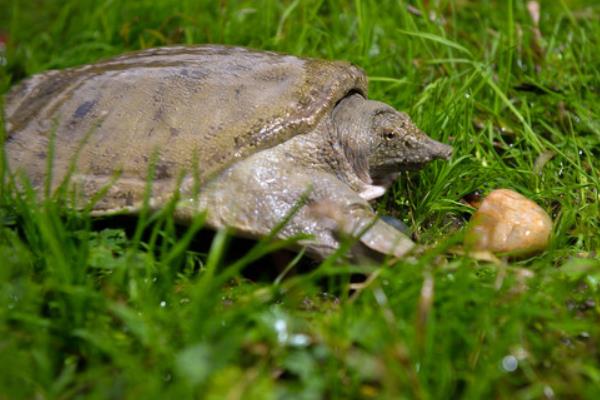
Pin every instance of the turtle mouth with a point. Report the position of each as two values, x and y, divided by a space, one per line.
394 167
412 166
402 165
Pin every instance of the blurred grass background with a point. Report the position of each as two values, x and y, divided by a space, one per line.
87 312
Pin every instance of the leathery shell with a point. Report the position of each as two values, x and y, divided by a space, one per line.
184 110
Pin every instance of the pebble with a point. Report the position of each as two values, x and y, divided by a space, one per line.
507 222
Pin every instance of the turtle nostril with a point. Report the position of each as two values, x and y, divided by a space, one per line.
442 151
449 152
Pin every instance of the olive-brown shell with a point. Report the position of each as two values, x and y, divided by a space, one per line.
197 107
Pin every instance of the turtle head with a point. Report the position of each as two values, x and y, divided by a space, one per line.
398 145
381 142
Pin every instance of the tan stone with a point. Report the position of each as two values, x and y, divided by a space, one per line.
509 223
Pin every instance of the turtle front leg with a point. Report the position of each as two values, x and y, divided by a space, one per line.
384 238
360 222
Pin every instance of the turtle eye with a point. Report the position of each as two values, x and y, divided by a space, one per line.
389 134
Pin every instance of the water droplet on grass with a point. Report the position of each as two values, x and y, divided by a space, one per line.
583 335
281 329
510 363
299 340
548 392
163 304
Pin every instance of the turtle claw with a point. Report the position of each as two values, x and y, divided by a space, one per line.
385 239
371 192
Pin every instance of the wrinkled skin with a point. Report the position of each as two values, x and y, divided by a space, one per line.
255 130
380 142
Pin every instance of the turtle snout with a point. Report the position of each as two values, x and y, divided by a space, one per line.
439 150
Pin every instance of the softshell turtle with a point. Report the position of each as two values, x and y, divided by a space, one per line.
240 134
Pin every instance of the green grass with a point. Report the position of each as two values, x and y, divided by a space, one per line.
87 312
